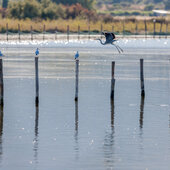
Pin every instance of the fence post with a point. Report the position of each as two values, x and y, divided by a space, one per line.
112 81
101 30
142 78
1 83
77 81
78 31
145 28
89 32
31 34
36 81
154 24
166 30
44 32
19 32
68 32
160 30
7 31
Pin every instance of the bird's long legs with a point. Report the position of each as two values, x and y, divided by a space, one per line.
117 47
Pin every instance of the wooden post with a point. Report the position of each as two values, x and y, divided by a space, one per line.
7 31
145 28
19 32
44 32
154 24
123 27
89 32
101 30
136 28
142 78
166 30
112 113
160 30
68 32
78 31
36 82
112 81
1 83
112 28
31 34
77 80
76 116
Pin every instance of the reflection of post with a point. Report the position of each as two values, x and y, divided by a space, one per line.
76 131
142 78
36 133
36 81
76 116
112 113
1 130
1 83
77 81
141 111
112 81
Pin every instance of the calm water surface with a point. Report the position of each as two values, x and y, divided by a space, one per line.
94 133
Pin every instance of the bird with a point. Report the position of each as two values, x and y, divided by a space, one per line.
110 39
76 55
37 52
1 55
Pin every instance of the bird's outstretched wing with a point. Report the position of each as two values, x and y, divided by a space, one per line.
113 35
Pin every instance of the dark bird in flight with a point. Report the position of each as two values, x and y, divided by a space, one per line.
110 39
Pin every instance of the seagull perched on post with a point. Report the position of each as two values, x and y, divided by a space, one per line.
37 52
110 39
76 55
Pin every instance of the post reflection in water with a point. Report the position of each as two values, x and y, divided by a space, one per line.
109 142
1 131
36 134
141 111
76 130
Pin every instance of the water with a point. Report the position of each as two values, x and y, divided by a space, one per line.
94 133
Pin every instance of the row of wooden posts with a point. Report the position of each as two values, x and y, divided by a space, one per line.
76 80
101 30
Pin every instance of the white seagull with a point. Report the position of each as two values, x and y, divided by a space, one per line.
76 55
37 52
110 39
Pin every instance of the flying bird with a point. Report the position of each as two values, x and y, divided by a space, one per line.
76 55
110 39
37 52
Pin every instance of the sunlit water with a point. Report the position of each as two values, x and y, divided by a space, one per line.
94 133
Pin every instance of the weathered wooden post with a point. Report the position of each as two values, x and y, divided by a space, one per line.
112 28
112 81
36 81
145 28
77 79
160 32
142 78
101 30
31 34
154 24
19 32
78 31
89 32
136 28
7 31
44 32
123 31
68 32
166 30
1 82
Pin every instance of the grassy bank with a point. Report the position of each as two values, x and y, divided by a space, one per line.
128 25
